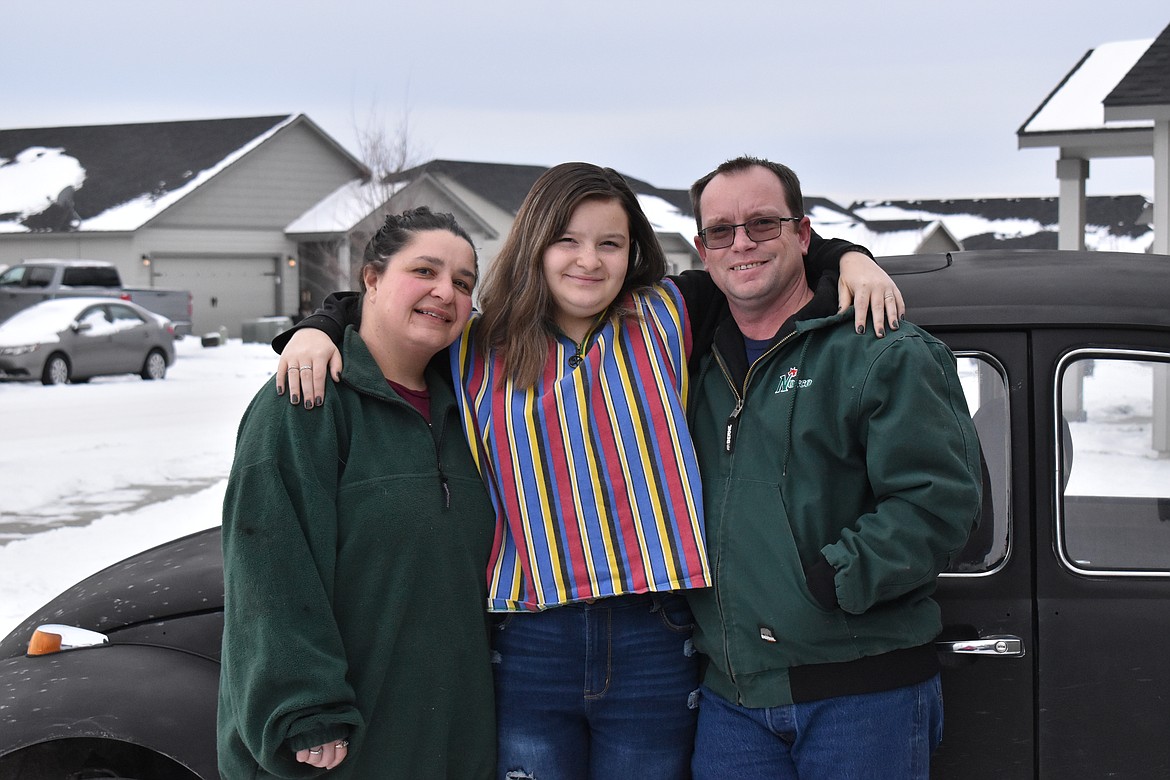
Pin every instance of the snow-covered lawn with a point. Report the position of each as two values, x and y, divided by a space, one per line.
89 462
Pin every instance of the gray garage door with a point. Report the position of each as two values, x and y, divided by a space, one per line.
224 291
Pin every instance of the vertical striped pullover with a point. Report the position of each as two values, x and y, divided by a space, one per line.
592 471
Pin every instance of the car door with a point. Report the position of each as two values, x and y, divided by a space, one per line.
988 645
129 340
1103 557
88 342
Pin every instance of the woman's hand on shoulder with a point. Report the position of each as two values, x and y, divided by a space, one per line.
303 364
870 290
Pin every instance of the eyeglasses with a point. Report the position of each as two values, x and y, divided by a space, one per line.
758 229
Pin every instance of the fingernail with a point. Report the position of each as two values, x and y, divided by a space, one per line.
295 400
860 329
319 401
880 332
894 324
279 390
308 403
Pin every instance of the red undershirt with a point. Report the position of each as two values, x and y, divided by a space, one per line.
419 399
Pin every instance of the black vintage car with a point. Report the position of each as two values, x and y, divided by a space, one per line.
1057 618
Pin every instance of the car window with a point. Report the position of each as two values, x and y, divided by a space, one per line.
12 277
1113 454
97 319
985 386
124 317
90 276
38 276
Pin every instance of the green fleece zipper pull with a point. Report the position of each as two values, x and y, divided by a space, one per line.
732 427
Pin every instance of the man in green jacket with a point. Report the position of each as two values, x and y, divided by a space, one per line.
841 475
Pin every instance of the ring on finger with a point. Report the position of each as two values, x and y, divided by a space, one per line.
342 744
314 752
889 295
306 368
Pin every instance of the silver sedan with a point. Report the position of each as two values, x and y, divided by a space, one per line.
73 339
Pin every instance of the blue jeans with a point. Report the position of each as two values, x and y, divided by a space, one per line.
873 736
607 689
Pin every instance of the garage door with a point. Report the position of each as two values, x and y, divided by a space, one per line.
224 291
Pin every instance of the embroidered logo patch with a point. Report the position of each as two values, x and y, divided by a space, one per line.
790 382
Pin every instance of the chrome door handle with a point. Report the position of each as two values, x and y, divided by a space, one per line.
994 645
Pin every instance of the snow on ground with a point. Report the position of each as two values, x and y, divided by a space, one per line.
83 467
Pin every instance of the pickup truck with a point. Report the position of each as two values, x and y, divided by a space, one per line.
32 281
1056 617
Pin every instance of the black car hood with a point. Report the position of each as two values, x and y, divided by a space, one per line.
179 578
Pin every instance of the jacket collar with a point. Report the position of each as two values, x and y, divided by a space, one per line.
819 312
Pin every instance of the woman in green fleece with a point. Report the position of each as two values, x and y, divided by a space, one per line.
355 543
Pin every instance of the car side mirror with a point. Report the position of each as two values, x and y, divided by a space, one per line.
81 327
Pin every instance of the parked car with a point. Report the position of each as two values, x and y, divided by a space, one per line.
1056 618
75 339
32 281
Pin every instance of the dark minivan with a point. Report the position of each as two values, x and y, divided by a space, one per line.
1057 618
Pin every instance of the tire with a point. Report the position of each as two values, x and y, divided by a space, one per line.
57 370
155 366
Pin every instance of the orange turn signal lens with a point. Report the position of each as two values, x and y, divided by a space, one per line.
43 642
52 638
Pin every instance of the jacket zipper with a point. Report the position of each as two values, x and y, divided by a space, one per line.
729 447
732 427
578 356
443 483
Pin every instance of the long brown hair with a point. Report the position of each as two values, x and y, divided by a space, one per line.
517 308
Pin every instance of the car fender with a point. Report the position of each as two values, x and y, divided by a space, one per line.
156 697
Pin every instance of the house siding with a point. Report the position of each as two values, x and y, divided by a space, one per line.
267 188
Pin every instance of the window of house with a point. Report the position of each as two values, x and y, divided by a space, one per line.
985 386
1113 438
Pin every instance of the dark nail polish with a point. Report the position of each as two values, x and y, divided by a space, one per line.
279 390
894 324
296 399
308 403
319 400
860 329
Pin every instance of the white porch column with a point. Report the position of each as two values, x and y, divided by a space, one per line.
1162 186
1072 173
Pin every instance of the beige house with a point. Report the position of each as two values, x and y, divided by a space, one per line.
200 205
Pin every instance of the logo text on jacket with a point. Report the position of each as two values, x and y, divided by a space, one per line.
790 382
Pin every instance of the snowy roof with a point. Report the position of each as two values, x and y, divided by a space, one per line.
343 209
506 185
1077 103
115 177
1113 223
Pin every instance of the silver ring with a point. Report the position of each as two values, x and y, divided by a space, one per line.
306 368
890 295
343 743
314 752
293 369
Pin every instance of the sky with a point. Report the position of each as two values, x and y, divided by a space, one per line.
866 101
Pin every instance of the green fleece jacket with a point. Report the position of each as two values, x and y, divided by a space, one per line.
841 474
355 540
